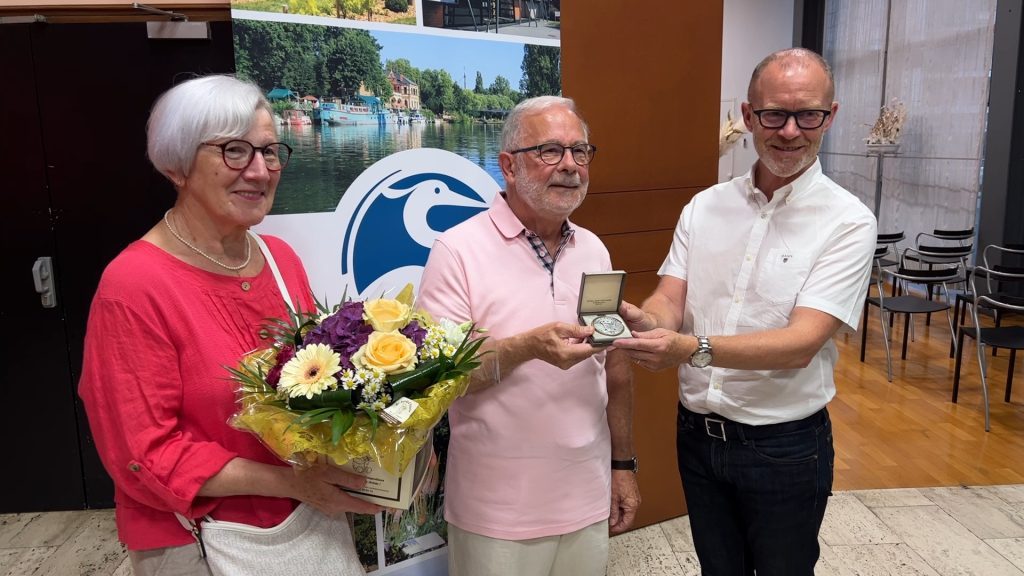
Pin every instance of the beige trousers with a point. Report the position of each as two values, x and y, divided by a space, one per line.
170 561
580 553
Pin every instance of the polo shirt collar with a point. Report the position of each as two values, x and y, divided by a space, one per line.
506 221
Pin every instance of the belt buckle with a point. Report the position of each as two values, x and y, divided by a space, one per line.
711 432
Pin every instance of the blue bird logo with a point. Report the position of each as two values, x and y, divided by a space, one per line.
397 217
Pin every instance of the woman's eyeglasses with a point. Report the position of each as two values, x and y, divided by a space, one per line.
238 154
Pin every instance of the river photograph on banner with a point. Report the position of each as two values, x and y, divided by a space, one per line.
345 97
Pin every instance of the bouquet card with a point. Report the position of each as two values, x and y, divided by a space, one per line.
386 489
600 297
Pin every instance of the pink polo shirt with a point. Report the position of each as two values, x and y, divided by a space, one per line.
529 457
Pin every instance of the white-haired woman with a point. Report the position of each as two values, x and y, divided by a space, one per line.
171 311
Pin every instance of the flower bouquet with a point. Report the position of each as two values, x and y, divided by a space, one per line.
362 383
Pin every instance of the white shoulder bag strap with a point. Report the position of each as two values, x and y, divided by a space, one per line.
273 268
187 523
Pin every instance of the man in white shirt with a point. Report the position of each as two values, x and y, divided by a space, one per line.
762 272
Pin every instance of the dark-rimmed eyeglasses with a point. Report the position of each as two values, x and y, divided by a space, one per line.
805 119
238 154
551 153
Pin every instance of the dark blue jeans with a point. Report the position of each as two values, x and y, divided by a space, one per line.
756 494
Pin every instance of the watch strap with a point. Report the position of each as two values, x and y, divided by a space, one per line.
632 465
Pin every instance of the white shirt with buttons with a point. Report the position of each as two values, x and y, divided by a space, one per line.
747 263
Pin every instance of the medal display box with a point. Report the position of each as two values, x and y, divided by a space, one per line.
600 297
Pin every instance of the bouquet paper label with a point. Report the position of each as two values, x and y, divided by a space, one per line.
387 489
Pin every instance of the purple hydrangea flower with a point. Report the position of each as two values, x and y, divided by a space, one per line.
413 331
344 331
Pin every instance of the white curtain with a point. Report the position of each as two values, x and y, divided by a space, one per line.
937 61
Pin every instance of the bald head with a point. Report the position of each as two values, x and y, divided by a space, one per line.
792 59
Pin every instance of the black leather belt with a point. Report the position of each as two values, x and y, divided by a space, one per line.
721 428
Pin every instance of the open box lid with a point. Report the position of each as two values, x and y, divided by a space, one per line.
601 292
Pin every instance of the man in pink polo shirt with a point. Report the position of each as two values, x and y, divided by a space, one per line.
541 463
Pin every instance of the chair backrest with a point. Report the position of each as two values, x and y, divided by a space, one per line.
1004 282
919 266
953 235
943 246
886 245
890 237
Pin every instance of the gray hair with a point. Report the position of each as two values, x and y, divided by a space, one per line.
513 122
794 58
199 110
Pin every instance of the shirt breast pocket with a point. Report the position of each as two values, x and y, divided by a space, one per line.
782 275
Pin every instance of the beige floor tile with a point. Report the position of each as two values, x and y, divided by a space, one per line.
1011 493
39 529
942 542
92 551
828 564
125 569
892 497
689 565
980 511
1011 548
677 530
880 560
23 561
849 522
645 551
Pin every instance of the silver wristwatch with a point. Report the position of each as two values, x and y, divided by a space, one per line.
701 357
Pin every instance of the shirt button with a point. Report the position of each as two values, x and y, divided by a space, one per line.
246 286
763 215
264 334
134 467
748 258
738 299
717 386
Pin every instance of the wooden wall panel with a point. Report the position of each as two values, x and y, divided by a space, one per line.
647 77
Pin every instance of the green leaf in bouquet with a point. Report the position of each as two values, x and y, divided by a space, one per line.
341 421
417 379
334 399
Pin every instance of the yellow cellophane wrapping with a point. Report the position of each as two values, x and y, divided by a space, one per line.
393 447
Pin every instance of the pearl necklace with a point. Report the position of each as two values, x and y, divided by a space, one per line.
248 248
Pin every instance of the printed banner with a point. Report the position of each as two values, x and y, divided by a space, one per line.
394 109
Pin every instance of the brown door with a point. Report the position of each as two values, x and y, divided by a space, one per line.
77 188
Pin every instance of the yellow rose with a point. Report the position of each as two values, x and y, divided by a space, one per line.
389 352
386 315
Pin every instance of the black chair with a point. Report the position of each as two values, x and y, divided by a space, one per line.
1003 290
915 267
889 240
942 240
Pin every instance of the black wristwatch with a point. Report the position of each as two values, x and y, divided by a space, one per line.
701 357
630 465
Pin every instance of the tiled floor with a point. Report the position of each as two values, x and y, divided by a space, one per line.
927 531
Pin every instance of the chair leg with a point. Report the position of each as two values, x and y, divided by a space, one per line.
1009 374
952 329
906 334
984 381
960 314
885 340
864 330
998 319
957 364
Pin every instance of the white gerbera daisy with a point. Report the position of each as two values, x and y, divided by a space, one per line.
310 372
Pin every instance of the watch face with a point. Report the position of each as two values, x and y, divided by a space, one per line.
608 325
700 359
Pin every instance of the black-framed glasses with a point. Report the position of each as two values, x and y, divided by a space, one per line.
805 119
238 154
551 153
